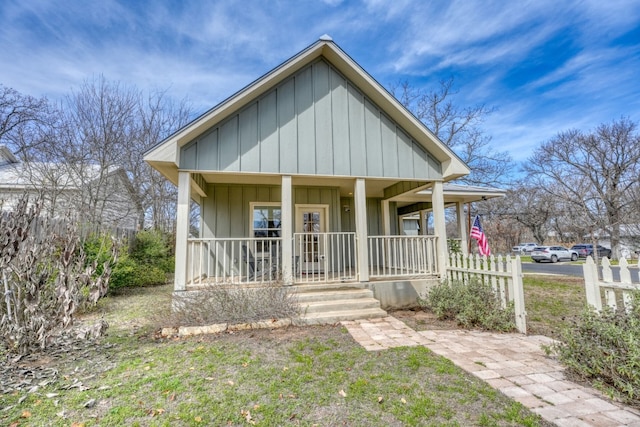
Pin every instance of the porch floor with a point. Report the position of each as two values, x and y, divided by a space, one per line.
318 279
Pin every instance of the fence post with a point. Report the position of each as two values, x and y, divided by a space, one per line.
518 295
591 285
607 277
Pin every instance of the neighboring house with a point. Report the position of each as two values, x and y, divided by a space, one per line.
628 245
304 176
102 197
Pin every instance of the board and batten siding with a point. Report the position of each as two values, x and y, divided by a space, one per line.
226 212
315 122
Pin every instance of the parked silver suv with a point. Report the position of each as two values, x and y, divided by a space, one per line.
553 254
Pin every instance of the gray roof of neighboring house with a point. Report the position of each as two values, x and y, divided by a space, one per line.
15 174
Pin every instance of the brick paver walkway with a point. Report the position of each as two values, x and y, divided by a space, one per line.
515 364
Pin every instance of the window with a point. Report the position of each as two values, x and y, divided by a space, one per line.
266 220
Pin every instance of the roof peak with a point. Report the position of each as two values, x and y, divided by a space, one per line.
326 38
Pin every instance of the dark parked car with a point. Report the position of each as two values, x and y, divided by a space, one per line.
586 249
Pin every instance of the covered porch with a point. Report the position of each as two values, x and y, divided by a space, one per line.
312 231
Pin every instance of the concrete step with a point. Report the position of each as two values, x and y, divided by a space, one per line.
330 303
332 317
329 295
318 287
351 304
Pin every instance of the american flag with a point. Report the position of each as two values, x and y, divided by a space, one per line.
478 234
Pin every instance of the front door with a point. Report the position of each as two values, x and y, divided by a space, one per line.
311 222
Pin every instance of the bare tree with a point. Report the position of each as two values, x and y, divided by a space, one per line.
594 174
100 120
97 147
459 128
23 119
158 117
532 207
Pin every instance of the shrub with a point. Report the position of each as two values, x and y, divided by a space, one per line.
472 305
146 264
603 348
222 303
153 248
127 273
45 277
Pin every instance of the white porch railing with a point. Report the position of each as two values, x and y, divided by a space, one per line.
324 257
317 258
504 275
233 260
402 256
614 292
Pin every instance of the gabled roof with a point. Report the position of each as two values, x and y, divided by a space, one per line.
25 175
165 155
6 156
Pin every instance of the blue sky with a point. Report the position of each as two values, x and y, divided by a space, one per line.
545 66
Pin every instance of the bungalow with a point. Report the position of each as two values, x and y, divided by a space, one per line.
304 176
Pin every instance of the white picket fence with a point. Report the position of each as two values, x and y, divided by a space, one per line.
503 273
614 293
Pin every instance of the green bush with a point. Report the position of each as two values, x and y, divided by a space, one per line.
127 273
146 264
472 305
153 248
603 348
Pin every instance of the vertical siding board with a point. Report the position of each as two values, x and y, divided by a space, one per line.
435 167
373 139
347 215
249 194
340 124
405 154
420 165
275 194
236 228
306 121
322 100
222 214
249 147
374 216
228 145
263 194
189 156
357 143
208 151
301 195
389 147
313 195
268 125
208 212
288 127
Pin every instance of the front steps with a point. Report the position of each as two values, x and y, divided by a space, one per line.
323 304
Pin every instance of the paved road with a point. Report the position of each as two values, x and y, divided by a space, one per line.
569 269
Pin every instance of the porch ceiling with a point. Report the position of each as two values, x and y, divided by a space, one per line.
374 187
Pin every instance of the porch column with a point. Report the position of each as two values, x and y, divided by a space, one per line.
286 229
360 201
182 230
437 199
462 228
